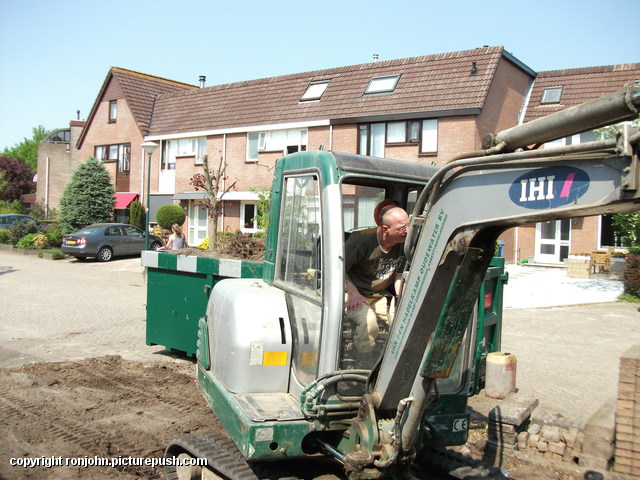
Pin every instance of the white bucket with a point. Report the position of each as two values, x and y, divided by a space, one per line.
501 374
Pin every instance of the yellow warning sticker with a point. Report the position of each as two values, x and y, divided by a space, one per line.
271 359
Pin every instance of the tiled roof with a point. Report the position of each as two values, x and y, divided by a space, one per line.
579 85
139 90
427 84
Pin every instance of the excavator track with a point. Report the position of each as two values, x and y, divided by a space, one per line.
225 462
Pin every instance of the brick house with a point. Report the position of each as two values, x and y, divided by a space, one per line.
551 242
423 109
113 132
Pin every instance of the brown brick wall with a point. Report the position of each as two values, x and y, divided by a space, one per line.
627 437
123 130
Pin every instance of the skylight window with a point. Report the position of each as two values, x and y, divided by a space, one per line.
551 95
314 91
384 84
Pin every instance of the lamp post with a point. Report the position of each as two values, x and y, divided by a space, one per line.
149 148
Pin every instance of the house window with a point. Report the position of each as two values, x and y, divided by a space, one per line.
551 95
183 147
248 218
59 136
120 153
113 110
285 141
429 143
403 132
373 137
386 84
314 91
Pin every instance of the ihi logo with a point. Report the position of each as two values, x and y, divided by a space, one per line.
549 187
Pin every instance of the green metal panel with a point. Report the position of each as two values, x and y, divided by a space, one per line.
178 290
175 302
266 440
489 325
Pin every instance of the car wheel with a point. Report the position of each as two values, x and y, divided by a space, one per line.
155 246
105 254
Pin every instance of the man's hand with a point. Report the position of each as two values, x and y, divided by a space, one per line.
355 300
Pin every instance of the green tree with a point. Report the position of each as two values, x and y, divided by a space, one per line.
136 215
263 208
88 198
27 149
214 185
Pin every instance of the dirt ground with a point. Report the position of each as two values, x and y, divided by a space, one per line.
101 407
110 408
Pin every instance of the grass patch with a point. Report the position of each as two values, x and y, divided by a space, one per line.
626 297
55 253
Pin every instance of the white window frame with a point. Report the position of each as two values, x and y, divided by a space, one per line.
314 91
183 147
275 141
429 134
551 95
383 84
244 220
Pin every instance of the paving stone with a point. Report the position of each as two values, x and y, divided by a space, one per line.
513 410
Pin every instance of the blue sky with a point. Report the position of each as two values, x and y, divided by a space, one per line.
55 55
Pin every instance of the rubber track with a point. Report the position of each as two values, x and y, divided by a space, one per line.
221 453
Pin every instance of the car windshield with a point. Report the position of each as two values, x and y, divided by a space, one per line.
87 231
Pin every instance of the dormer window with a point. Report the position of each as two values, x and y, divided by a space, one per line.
551 95
386 84
314 91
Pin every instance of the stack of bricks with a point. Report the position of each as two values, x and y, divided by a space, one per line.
552 441
627 446
509 420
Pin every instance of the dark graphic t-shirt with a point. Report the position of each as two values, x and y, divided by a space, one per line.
369 268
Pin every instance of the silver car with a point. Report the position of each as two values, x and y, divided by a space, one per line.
107 240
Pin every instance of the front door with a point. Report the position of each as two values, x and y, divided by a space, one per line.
552 241
197 224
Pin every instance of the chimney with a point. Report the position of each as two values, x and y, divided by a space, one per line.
78 114
375 57
202 80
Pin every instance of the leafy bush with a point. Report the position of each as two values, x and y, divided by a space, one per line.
55 254
20 229
632 275
169 214
9 206
54 236
4 236
28 240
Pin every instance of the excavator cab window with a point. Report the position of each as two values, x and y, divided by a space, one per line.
299 270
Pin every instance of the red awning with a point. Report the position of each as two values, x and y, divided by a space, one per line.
124 199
